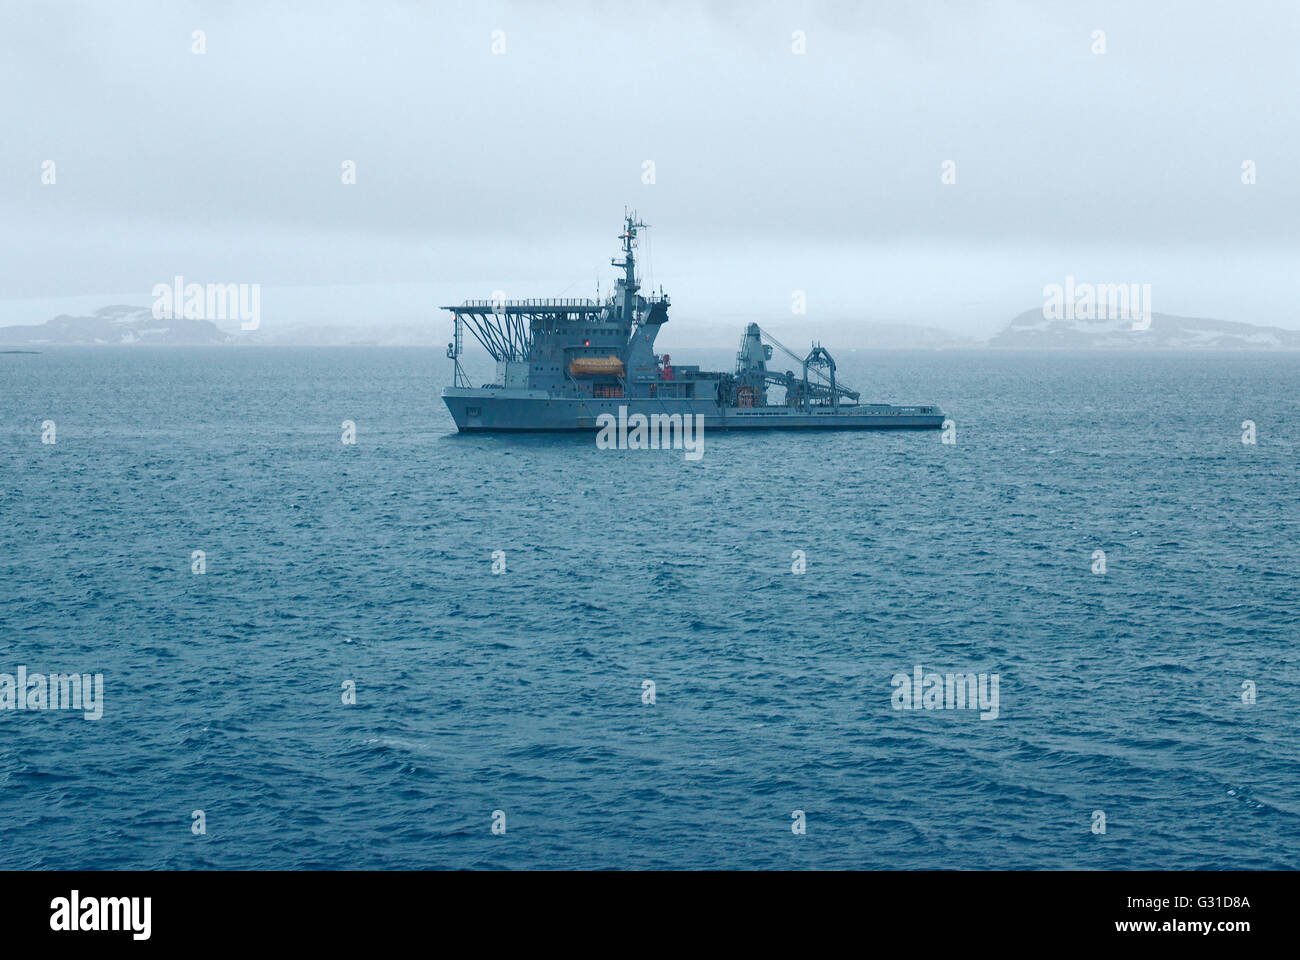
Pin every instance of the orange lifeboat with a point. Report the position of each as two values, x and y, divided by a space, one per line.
596 367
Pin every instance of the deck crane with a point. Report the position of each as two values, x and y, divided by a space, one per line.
815 386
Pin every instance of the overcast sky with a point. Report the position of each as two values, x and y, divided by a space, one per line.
774 171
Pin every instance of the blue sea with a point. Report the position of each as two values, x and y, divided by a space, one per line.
332 567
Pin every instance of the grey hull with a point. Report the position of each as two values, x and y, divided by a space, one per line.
486 410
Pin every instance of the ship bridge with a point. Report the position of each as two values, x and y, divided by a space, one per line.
568 345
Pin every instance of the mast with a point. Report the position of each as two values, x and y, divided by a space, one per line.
627 285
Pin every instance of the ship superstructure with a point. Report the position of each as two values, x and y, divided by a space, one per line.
561 363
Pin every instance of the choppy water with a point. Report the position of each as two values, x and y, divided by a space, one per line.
523 692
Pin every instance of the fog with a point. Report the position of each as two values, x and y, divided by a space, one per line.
774 171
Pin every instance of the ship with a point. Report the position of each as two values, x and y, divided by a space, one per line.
574 364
